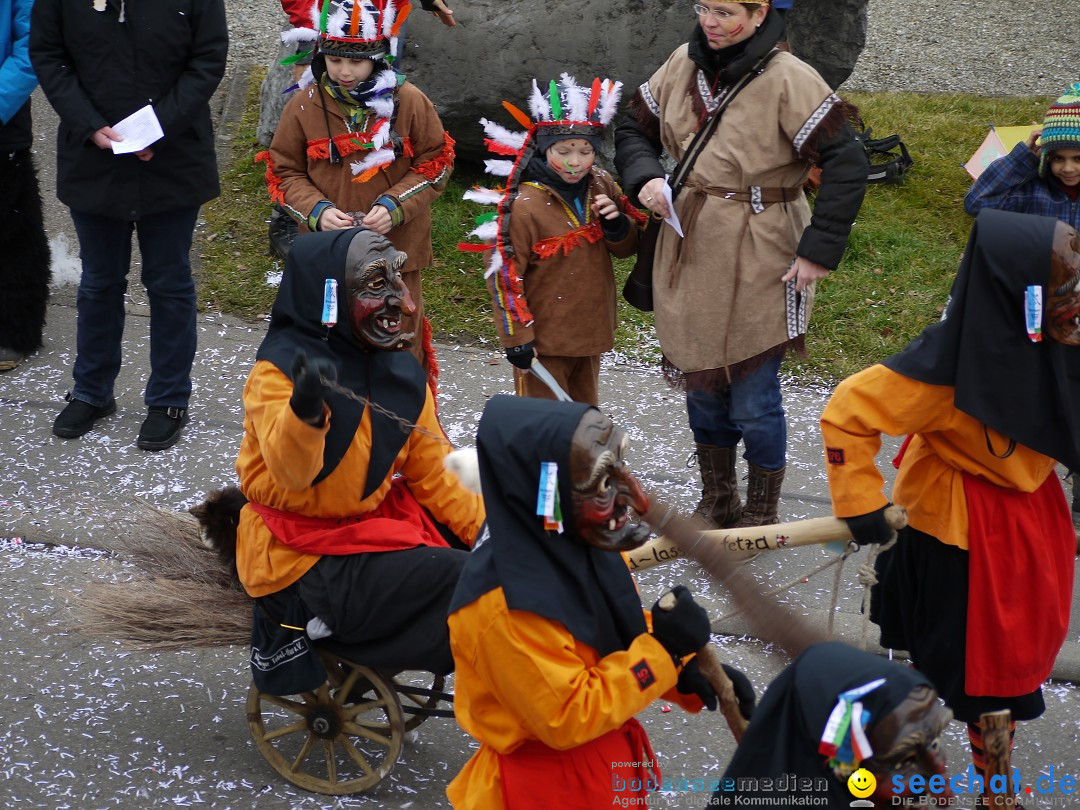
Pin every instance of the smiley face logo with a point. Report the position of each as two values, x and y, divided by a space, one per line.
861 783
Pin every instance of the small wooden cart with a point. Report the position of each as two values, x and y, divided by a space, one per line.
347 735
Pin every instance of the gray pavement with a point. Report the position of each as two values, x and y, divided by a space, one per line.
87 724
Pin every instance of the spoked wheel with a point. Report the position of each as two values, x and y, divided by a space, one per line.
421 702
343 738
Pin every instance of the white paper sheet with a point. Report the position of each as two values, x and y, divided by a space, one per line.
139 130
672 218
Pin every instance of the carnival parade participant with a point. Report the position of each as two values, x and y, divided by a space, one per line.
98 64
893 723
1040 176
554 654
357 146
988 398
736 293
339 526
560 220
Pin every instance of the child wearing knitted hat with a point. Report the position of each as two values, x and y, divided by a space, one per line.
560 219
1042 175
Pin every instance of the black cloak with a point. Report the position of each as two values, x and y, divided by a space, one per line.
392 379
1027 391
783 737
554 575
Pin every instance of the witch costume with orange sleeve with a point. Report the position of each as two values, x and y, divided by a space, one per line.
343 502
989 398
548 263
554 655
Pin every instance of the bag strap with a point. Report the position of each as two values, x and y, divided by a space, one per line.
697 145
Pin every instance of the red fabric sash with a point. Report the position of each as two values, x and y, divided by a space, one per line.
617 765
399 522
1020 578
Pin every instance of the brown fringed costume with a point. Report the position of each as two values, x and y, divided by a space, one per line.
723 315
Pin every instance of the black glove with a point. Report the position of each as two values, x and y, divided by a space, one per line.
685 628
744 691
693 682
521 356
871 527
308 391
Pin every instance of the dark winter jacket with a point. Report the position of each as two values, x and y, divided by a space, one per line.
98 67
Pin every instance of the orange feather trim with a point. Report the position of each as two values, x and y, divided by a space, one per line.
364 176
519 116
273 182
403 15
589 234
431 169
347 143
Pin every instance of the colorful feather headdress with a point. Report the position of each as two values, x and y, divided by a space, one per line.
566 109
357 29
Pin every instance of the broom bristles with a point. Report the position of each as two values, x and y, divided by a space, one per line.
184 597
160 614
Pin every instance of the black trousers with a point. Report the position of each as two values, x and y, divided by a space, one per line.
24 266
388 608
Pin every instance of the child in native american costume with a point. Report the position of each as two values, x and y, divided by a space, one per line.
360 145
554 655
988 398
338 529
560 219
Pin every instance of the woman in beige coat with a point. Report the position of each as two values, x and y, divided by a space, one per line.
734 294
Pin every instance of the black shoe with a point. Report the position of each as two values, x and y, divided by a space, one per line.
282 233
79 416
162 427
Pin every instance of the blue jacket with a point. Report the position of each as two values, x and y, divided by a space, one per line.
1012 183
17 79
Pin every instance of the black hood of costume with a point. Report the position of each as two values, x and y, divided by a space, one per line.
393 380
784 735
554 575
731 63
1027 391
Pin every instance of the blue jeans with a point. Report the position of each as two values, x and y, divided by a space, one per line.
105 251
751 410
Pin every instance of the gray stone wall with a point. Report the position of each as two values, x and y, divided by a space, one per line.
499 47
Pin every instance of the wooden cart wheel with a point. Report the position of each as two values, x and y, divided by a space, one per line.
411 701
343 738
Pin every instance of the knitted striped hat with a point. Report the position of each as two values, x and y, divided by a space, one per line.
1061 127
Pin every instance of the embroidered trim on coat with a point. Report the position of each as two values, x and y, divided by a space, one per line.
814 119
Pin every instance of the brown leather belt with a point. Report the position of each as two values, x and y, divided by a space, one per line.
763 195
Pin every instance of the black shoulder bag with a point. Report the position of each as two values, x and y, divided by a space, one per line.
638 287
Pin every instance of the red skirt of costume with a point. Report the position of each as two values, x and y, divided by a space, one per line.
617 765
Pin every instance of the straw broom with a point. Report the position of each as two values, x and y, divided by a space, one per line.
183 597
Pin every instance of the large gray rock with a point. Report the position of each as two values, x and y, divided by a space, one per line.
829 34
499 47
